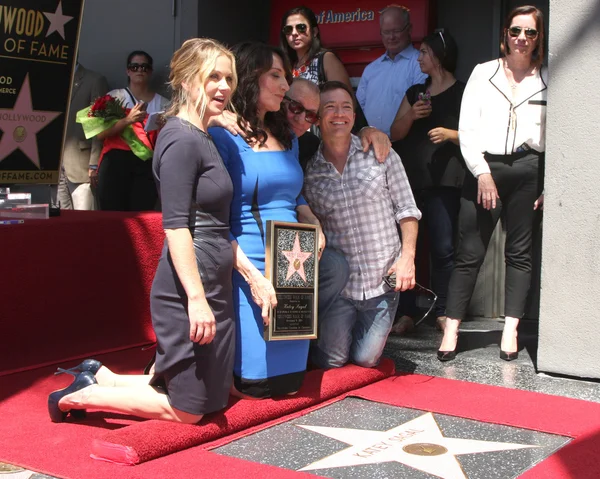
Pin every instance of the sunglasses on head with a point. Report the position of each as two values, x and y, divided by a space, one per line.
144 67
296 108
530 33
300 28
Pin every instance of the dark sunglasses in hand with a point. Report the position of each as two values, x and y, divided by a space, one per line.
530 33
296 108
144 67
300 28
390 280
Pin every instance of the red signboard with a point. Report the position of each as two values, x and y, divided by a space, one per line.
351 29
348 24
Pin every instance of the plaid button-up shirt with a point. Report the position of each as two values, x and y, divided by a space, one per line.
358 210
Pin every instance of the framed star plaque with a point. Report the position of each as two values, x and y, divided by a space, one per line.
38 48
292 265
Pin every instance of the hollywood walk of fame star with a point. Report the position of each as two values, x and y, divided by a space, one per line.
57 21
418 443
296 259
20 125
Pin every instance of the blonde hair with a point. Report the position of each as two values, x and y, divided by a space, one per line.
196 60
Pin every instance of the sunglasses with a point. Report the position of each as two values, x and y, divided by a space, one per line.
296 108
300 28
530 33
135 67
431 299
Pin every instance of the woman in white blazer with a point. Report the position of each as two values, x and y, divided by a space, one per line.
502 139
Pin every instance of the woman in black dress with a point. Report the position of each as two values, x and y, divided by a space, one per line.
191 295
427 125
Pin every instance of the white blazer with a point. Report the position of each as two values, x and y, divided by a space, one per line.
492 121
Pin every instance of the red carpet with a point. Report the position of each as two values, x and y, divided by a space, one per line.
29 438
76 285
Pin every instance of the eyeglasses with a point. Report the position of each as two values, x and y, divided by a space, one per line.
296 108
397 31
390 280
300 28
144 67
530 33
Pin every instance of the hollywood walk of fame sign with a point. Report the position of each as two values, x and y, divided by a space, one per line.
38 50
418 443
291 264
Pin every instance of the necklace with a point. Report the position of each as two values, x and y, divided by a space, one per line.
302 60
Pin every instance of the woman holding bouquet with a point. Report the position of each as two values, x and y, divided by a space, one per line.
125 180
192 312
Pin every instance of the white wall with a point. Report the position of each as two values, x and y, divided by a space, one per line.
570 298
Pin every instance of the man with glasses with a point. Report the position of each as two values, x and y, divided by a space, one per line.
385 80
359 201
302 105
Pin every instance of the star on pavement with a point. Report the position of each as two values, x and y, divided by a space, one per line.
20 125
296 259
57 21
418 443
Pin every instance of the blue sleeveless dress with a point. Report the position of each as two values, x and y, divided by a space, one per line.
266 186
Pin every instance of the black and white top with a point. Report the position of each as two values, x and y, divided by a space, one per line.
497 119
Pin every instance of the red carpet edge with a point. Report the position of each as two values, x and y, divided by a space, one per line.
149 440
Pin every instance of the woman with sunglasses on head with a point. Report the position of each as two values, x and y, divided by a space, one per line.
427 125
502 139
190 300
267 180
125 181
301 44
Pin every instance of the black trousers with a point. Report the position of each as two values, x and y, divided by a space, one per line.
518 179
125 183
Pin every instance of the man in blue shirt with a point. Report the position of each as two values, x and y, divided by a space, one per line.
385 80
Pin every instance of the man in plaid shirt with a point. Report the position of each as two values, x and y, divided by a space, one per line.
358 202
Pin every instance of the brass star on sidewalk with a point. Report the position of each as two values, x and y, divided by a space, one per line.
418 443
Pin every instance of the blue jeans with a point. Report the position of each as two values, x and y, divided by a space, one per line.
354 330
333 276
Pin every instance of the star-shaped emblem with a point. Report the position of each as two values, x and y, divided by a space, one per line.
20 125
418 443
296 259
57 21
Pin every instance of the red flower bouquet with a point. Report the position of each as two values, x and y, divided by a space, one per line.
104 113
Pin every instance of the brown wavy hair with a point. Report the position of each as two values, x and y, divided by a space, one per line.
537 57
252 60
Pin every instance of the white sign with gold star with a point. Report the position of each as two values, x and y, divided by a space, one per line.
418 443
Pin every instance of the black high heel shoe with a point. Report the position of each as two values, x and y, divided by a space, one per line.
448 355
506 356
82 380
91 365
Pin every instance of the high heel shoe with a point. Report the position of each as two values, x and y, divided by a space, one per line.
448 355
91 365
82 380
506 356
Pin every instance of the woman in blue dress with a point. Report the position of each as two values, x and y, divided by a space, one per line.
267 181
